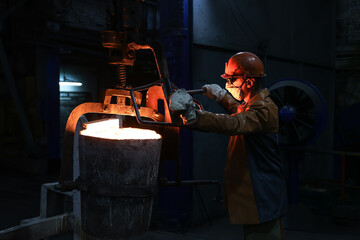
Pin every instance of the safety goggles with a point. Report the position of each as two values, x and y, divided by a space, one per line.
232 79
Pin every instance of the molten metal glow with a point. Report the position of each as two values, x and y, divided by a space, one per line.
110 129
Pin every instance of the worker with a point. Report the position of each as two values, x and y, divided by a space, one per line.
255 188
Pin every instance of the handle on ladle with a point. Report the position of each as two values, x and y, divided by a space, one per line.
195 91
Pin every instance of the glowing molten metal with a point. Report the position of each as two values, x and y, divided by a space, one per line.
109 129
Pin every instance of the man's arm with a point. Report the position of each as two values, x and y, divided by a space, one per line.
217 93
254 120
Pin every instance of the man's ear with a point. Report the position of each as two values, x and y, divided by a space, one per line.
250 82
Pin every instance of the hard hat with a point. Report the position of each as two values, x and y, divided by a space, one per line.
244 64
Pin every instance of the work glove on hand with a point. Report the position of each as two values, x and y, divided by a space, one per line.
214 91
182 102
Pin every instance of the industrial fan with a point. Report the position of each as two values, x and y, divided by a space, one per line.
302 112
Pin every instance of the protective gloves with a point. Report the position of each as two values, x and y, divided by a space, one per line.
182 102
214 91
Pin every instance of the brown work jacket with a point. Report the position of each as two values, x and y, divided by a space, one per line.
255 189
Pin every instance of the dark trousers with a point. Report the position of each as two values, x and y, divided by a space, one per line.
272 230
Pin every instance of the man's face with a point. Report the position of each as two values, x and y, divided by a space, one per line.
241 89
234 87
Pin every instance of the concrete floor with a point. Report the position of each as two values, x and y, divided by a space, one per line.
20 199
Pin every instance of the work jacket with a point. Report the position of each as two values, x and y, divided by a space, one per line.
255 188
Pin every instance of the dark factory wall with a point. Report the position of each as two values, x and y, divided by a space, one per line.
293 30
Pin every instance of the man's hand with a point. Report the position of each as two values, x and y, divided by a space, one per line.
182 102
214 91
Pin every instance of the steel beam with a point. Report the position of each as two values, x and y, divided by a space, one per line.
40 228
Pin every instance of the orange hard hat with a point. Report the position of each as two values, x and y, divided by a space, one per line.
244 64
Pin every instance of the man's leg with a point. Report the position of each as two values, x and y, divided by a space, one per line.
272 230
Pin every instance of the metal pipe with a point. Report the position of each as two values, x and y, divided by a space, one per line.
135 46
195 91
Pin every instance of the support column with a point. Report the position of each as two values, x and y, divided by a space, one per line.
176 37
48 71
